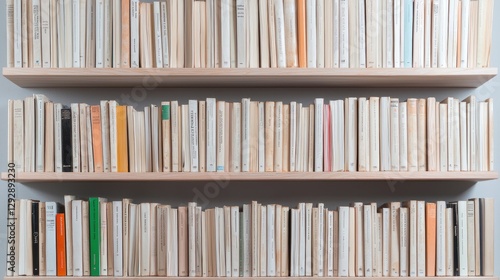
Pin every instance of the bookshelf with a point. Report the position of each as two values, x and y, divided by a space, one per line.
251 77
245 278
248 176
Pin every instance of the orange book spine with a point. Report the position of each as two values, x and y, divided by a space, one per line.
60 245
95 113
301 32
430 227
121 141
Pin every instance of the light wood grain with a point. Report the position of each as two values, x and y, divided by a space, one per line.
250 77
246 176
245 278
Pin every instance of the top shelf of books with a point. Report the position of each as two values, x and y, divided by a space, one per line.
250 77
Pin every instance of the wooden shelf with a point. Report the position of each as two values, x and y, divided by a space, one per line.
245 176
270 77
245 278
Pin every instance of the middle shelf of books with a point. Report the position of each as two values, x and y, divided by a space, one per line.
374 138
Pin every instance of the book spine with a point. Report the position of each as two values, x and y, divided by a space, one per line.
193 135
60 244
94 236
77 237
66 140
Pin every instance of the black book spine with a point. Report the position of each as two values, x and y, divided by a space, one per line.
35 238
67 150
454 206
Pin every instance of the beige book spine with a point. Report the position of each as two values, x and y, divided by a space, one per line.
269 136
278 137
310 162
286 138
412 135
183 241
421 134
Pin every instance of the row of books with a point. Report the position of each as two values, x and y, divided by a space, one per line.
121 238
355 134
249 33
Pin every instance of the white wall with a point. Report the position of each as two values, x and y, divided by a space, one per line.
332 194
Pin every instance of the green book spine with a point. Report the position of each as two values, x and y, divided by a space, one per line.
94 236
165 112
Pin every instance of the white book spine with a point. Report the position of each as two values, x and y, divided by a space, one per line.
40 101
368 240
158 34
261 138
465 33
76 34
443 35
362 33
280 32
343 34
89 140
18 53
57 137
145 236
302 239
436 12
77 238
174 116
343 241
321 240
236 137
336 33
235 242
421 259
374 134
394 136
134 33
50 235
311 33
427 33
441 238
462 239
106 156
211 134
118 239
318 135
103 251
271 246
320 32
241 36
385 133
390 34
386 242
113 135
99 32
403 238
293 135
75 136
397 33
36 29
193 134
464 161
278 137
413 238
191 224
225 33
221 139
165 34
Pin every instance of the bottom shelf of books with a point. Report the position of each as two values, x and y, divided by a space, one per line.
97 237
